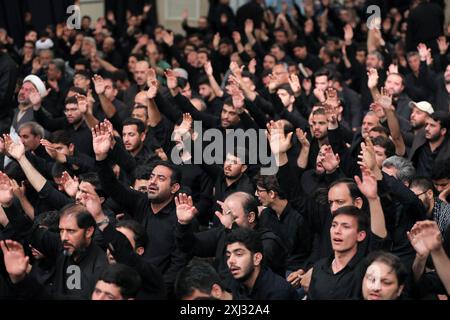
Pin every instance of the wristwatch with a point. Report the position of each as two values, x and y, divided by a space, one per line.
104 221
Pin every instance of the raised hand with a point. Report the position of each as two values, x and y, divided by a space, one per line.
331 160
226 216
82 102
279 142
236 37
252 66
6 190
19 191
171 79
372 78
16 262
70 184
248 26
319 94
348 33
185 125
294 82
216 41
423 51
208 68
301 136
14 149
99 84
236 70
101 141
186 211
385 99
425 235
91 201
378 109
168 38
152 84
393 68
368 184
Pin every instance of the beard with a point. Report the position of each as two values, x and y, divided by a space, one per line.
434 138
247 275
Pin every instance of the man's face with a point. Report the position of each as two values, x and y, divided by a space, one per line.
31 36
73 113
418 118
361 57
321 82
380 283
394 84
240 261
320 157
132 140
73 237
79 197
414 63
300 52
108 45
63 149
152 52
344 233
46 57
24 93
140 73
319 126
426 196
339 196
205 91
380 155
202 59
280 37
159 188
53 72
140 113
228 116
268 62
233 167
433 130
106 291
30 141
263 196
141 185
285 97
186 91
132 63
110 92
372 61
441 184
370 121
202 23
224 49
81 81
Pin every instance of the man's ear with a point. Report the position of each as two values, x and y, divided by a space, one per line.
257 258
140 250
361 236
272 194
359 202
251 217
174 188
71 148
143 135
443 131
102 199
400 290
430 194
90 232
243 168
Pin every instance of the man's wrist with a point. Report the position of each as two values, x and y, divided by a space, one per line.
7 205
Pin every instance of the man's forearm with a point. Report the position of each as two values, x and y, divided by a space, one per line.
34 177
418 267
442 265
90 120
377 221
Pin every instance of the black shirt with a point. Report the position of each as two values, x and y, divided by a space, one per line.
293 230
425 159
268 286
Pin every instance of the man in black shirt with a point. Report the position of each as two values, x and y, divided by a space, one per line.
286 222
432 144
340 276
252 280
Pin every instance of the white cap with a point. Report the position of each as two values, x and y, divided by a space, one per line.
37 83
179 72
424 106
45 44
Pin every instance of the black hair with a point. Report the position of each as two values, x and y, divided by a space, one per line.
48 220
61 136
197 275
440 169
140 235
92 178
137 122
392 261
361 216
142 172
443 118
78 90
83 217
71 100
250 238
84 73
386 143
203 80
176 174
423 183
126 278
59 168
270 183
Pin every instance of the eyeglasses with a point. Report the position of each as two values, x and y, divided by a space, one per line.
418 195
260 190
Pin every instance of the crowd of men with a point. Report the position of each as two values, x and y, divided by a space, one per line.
103 197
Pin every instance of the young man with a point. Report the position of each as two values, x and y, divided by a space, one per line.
252 280
117 282
199 280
